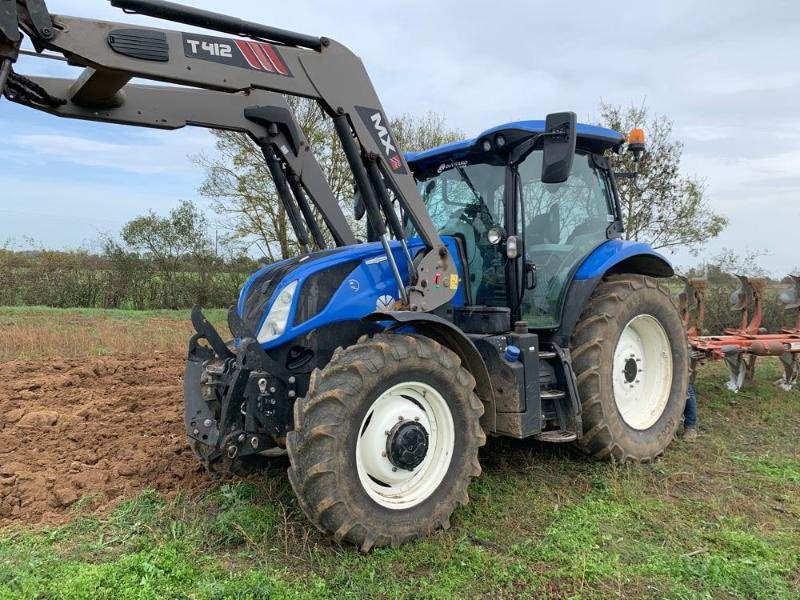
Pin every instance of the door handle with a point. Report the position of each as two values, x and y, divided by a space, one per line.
530 275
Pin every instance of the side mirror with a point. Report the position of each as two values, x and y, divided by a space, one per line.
559 146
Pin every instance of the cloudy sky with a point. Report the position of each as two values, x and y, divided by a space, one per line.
725 72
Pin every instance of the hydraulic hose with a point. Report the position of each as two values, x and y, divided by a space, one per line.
5 71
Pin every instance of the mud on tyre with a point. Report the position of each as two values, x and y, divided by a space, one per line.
630 356
386 441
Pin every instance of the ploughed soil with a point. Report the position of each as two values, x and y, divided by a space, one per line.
91 431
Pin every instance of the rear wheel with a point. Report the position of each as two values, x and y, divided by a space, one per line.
386 441
630 356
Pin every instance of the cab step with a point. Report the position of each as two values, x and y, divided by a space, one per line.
550 394
556 436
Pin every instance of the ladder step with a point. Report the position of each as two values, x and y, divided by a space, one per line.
552 394
556 436
547 355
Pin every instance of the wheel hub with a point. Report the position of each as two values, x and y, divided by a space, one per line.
407 445
631 370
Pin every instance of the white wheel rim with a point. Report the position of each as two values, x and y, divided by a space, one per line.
642 372
387 484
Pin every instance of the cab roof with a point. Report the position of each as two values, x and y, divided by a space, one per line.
590 137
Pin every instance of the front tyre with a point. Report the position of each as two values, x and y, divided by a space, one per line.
630 356
386 441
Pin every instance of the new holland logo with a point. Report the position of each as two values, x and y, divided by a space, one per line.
377 123
384 303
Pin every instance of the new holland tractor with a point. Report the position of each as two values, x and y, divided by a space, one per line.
494 294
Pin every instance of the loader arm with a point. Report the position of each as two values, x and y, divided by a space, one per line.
272 60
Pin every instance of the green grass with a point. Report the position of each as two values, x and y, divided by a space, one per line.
41 332
717 519
46 312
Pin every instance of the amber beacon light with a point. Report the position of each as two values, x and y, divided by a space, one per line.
636 143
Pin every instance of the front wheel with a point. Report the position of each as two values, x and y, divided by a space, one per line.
630 356
386 441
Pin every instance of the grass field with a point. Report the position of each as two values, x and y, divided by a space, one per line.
41 332
717 519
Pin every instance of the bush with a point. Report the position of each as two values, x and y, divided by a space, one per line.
118 279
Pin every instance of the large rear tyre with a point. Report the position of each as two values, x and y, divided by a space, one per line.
630 356
386 441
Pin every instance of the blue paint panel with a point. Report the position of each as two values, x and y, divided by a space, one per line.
359 292
607 136
611 253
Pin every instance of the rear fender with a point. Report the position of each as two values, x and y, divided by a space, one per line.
611 257
449 335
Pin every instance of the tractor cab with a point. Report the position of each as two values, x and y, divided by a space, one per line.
498 207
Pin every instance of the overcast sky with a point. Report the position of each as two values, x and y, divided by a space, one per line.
726 72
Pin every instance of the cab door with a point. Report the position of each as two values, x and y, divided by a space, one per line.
561 224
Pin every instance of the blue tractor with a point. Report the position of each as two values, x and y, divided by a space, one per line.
558 330
494 294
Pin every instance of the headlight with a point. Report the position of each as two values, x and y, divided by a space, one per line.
277 317
495 235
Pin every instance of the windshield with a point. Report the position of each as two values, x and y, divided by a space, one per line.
464 201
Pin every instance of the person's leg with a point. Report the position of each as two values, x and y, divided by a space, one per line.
690 414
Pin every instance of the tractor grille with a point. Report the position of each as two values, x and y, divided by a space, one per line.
261 291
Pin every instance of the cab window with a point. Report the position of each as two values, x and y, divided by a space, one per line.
562 223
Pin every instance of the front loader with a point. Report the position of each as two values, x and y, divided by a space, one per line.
493 296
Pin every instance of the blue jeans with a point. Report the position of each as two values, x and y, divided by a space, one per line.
690 412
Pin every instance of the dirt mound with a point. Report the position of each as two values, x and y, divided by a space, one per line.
97 429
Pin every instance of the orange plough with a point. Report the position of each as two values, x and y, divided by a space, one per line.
740 347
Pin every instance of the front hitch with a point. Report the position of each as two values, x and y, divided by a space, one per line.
237 400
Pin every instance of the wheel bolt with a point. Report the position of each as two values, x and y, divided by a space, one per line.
400 418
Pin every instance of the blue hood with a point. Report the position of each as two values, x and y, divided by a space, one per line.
340 284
